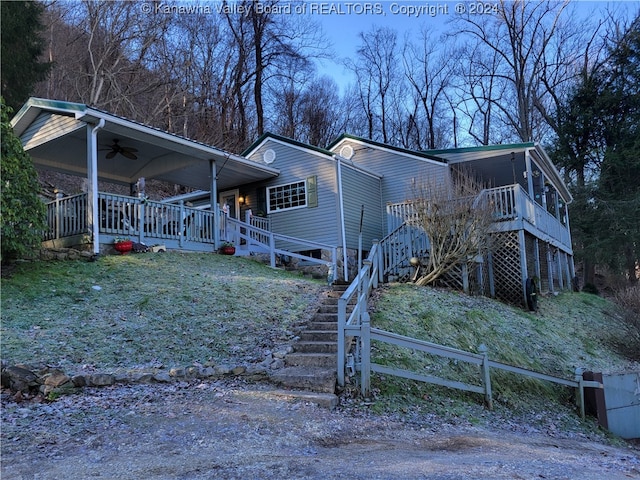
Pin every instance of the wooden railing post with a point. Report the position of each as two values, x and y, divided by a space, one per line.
342 320
486 376
141 221
365 367
272 249
58 216
180 224
580 392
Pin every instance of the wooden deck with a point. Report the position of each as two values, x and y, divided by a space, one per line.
532 243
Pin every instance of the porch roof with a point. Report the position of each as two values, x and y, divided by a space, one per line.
501 163
54 133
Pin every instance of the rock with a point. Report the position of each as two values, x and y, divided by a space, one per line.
56 378
222 369
162 377
177 372
239 370
208 372
192 371
101 379
19 379
277 363
144 378
79 381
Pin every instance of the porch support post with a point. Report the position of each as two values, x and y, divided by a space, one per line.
213 199
345 258
527 160
93 214
550 269
492 285
560 270
536 254
523 264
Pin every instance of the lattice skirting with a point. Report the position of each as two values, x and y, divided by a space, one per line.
507 277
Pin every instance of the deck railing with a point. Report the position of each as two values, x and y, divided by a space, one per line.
66 217
354 330
136 218
250 239
510 204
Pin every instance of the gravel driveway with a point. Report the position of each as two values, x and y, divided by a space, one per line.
230 430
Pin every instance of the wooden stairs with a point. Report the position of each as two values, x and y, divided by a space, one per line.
313 363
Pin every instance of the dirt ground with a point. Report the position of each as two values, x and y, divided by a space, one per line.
226 430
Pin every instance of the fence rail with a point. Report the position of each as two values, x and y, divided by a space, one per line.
354 330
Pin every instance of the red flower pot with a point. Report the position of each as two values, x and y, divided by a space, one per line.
228 250
123 247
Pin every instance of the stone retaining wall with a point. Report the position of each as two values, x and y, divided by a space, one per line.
51 382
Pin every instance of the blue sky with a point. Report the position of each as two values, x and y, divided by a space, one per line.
343 21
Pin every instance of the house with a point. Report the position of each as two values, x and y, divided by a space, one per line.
529 196
286 198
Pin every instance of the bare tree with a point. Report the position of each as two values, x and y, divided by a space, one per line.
457 218
103 53
428 70
376 75
520 38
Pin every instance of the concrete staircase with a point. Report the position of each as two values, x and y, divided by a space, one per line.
313 363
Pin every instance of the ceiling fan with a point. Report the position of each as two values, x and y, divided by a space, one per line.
116 148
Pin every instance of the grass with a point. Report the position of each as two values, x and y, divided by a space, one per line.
173 309
138 310
569 330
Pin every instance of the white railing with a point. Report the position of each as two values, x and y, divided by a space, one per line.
252 239
139 219
66 217
510 204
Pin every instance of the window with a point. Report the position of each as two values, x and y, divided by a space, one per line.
283 197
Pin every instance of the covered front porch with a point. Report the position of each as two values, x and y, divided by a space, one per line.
79 140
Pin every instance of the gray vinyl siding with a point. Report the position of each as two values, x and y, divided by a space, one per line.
397 170
46 127
362 189
319 224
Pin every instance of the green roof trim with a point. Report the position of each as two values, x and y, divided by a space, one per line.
482 148
415 153
288 140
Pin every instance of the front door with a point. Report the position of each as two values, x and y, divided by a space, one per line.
229 202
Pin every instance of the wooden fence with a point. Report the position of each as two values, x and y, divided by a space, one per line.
355 335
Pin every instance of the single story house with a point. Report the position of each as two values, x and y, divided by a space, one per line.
288 197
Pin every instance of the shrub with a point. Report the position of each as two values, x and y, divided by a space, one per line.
590 288
22 213
629 299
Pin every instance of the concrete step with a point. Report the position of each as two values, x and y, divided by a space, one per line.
333 325
324 360
316 347
319 336
306 378
325 317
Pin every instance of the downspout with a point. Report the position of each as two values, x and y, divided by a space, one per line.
92 167
345 258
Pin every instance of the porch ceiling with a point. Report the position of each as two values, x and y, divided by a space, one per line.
55 135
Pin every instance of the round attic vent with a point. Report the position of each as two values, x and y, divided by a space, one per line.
346 152
269 156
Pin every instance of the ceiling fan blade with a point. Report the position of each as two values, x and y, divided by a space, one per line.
129 149
128 154
111 154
